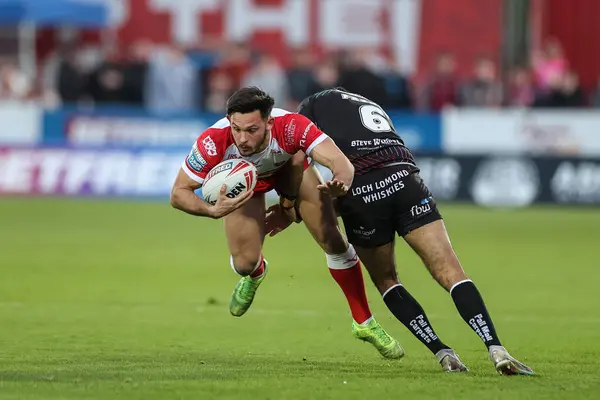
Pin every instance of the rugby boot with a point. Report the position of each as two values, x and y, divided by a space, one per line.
506 364
373 333
450 362
244 293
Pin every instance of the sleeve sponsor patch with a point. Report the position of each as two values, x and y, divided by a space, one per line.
195 160
209 146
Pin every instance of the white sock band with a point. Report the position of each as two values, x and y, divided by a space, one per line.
459 283
262 258
387 291
344 260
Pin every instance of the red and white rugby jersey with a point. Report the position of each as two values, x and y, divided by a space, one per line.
291 133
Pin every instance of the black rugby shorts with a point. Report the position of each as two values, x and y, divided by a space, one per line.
384 202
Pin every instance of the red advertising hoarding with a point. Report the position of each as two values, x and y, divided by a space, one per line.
410 32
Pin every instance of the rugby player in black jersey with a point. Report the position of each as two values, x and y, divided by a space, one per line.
388 197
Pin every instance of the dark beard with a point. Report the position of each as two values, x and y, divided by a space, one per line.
263 143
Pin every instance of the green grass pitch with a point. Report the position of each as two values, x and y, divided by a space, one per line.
124 300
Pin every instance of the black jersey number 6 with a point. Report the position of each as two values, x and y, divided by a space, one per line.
374 118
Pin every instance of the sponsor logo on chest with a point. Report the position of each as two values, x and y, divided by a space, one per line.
375 143
266 163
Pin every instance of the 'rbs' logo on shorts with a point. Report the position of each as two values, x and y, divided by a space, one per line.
424 208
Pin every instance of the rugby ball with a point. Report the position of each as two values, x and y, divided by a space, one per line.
239 175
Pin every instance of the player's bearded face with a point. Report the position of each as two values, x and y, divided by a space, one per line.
250 131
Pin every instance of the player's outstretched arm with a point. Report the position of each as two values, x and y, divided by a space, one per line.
329 155
183 198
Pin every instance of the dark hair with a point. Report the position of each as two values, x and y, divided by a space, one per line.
249 99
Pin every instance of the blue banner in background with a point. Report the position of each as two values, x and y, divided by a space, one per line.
135 127
150 172
70 171
123 126
420 132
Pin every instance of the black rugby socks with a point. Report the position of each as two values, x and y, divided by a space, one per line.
472 309
408 311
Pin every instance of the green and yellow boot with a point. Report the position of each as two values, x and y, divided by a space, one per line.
373 333
244 292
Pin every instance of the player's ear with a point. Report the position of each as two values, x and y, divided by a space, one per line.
270 122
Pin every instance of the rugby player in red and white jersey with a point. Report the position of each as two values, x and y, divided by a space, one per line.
268 138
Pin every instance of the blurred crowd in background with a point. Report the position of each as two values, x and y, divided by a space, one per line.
170 78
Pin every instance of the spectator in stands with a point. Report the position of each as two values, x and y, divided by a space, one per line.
220 88
595 100
66 72
398 87
14 84
549 63
442 87
563 91
136 72
326 75
572 90
268 74
106 84
300 76
70 80
171 83
550 95
484 90
234 60
521 91
357 76
169 80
